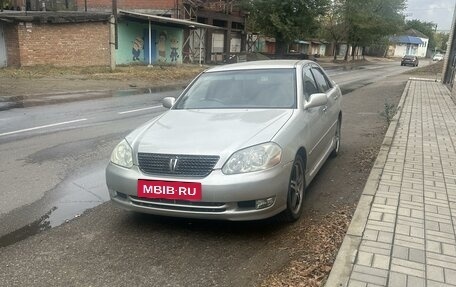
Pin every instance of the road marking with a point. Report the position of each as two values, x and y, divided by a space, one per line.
139 110
42 127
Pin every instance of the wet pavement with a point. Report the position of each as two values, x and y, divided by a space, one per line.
76 194
12 102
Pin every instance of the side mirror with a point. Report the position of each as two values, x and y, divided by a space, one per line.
168 102
316 100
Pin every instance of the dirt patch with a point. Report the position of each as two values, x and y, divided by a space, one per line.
434 69
317 242
136 72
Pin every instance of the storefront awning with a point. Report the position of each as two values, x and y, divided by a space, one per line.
302 42
407 40
166 20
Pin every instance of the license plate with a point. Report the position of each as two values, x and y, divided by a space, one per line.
169 190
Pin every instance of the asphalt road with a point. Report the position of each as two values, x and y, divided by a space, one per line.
52 169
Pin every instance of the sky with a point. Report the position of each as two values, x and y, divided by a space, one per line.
437 11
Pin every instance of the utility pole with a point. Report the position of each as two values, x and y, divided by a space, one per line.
113 39
450 57
435 46
112 46
114 13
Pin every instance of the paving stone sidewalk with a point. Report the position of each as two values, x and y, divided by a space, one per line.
403 231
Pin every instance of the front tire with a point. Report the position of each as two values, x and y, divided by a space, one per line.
296 192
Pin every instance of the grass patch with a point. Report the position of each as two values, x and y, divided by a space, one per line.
389 111
123 73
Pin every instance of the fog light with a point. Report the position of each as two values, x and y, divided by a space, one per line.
263 203
112 192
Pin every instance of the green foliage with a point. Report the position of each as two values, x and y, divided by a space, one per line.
441 40
363 22
371 20
334 25
286 20
359 22
427 28
389 111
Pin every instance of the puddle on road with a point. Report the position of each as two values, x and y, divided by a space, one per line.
35 227
67 201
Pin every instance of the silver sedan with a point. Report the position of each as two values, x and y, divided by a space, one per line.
242 142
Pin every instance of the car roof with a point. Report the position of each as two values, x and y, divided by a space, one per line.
265 64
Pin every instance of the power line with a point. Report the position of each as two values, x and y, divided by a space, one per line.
433 8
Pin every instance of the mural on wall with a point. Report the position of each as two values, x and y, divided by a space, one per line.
174 44
162 46
166 44
138 46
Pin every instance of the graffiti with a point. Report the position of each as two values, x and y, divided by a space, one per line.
174 43
138 46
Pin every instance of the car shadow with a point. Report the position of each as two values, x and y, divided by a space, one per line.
215 227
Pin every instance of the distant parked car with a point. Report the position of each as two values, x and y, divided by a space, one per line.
437 57
410 60
242 142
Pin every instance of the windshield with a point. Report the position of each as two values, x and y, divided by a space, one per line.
268 88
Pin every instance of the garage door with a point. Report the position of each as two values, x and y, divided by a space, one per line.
2 48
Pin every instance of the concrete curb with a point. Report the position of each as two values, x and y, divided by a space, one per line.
346 257
424 79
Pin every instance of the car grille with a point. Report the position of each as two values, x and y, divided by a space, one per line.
185 166
181 205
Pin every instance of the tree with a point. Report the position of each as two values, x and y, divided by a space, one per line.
285 20
441 41
427 28
334 25
370 21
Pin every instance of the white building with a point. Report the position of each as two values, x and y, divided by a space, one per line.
412 42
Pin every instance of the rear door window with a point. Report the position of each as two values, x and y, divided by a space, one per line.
309 85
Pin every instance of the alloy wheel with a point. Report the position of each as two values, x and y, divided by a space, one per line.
296 191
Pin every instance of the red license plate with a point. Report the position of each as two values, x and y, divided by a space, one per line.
169 189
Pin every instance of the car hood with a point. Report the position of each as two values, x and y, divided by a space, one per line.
208 132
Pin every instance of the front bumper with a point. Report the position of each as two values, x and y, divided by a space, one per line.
225 197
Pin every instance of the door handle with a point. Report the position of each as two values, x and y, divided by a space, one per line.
325 108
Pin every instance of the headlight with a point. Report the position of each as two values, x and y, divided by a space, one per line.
122 155
255 158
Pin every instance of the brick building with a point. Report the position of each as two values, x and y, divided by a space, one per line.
204 31
157 7
68 39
